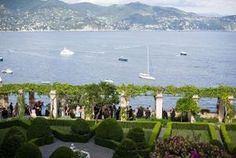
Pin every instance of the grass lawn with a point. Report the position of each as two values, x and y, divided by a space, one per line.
192 134
147 132
233 136
2 134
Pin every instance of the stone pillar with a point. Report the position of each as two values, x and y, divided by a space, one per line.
190 116
231 101
123 107
21 103
62 108
221 110
158 105
53 103
31 99
4 100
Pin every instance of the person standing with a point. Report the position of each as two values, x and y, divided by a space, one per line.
11 109
147 113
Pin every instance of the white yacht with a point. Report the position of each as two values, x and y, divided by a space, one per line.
147 74
7 71
66 52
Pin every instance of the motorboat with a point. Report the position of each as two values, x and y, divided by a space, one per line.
66 52
1 58
123 59
45 82
183 53
7 71
109 81
147 75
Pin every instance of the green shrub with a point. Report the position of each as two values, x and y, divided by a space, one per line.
80 127
188 125
212 131
127 149
168 130
138 136
28 150
39 128
139 123
13 140
217 143
108 143
155 132
13 122
226 139
63 152
11 145
109 129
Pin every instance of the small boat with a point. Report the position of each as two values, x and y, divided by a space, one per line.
1 58
7 71
0 80
109 81
123 59
66 52
183 53
147 75
45 82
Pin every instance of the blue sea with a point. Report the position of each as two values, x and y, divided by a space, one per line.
35 57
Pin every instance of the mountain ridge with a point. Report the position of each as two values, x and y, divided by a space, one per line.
23 15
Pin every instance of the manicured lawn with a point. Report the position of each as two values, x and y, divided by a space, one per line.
147 133
192 134
232 134
2 134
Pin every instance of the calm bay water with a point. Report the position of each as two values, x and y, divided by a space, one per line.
35 57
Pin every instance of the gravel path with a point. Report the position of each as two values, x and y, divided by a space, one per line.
94 150
161 134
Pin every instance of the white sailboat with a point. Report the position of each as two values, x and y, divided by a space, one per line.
66 52
147 75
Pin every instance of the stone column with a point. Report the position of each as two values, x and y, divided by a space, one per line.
31 99
53 103
123 107
231 101
158 105
21 103
221 110
4 100
190 116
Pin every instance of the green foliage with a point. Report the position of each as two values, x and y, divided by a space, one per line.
13 139
39 128
28 150
123 114
80 127
139 123
137 135
109 129
127 149
213 134
187 105
63 152
168 130
226 139
155 132
107 143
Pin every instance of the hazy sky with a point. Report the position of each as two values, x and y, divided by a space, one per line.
223 7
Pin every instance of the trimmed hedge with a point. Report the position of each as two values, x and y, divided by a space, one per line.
80 127
107 143
155 132
137 135
168 130
71 137
39 132
226 139
127 149
190 126
14 122
63 152
68 122
134 124
109 129
212 132
28 150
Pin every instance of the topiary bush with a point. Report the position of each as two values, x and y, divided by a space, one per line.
63 152
127 149
80 126
28 150
39 128
109 129
13 139
138 136
11 145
